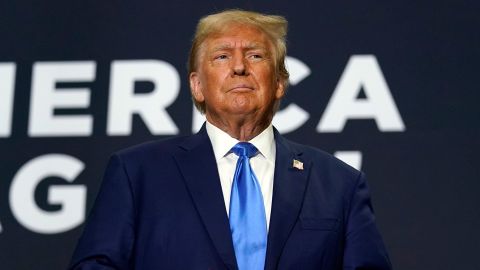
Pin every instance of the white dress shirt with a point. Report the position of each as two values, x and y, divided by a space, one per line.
263 164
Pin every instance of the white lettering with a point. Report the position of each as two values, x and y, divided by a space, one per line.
7 82
352 158
361 72
292 117
71 198
45 99
123 102
197 120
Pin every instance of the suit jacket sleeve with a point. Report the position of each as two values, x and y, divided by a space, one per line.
108 237
364 248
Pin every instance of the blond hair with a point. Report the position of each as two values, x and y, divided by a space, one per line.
274 26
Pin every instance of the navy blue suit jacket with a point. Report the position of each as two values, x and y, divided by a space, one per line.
161 206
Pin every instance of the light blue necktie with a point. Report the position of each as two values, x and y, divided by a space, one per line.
247 212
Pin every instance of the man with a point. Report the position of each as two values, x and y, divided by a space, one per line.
236 195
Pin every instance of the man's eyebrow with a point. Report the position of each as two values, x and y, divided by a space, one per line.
222 47
255 46
250 46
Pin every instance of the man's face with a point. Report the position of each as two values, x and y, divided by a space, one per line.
236 75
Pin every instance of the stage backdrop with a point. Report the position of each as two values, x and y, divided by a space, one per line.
391 88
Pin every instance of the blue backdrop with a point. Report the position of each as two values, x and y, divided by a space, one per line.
392 88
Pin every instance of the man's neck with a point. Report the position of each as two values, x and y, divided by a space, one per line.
240 129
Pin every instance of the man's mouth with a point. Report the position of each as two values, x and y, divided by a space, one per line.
242 88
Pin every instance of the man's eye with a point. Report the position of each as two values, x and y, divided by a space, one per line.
256 56
221 57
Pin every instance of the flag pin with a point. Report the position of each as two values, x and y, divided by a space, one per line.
298 164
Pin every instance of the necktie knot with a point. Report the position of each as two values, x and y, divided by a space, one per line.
244 149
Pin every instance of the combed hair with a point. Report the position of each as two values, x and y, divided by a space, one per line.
274 26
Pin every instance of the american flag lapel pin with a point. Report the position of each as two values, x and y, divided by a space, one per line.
297 164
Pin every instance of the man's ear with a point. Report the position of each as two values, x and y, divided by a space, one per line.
196 87
280 91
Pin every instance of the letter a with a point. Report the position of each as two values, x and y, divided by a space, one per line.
361 72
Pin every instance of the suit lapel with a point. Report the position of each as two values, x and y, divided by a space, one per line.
198 166
288 193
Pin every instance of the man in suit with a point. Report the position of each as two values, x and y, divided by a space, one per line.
198 202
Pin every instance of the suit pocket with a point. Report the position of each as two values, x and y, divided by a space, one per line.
319 224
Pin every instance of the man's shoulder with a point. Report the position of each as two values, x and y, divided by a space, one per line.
156 149
321 159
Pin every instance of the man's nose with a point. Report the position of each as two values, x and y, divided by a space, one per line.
239 67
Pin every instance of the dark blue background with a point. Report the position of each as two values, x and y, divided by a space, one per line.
425 181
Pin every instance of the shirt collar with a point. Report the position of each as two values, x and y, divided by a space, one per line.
222 142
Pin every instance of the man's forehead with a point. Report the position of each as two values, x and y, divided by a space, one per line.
228 41
217 45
